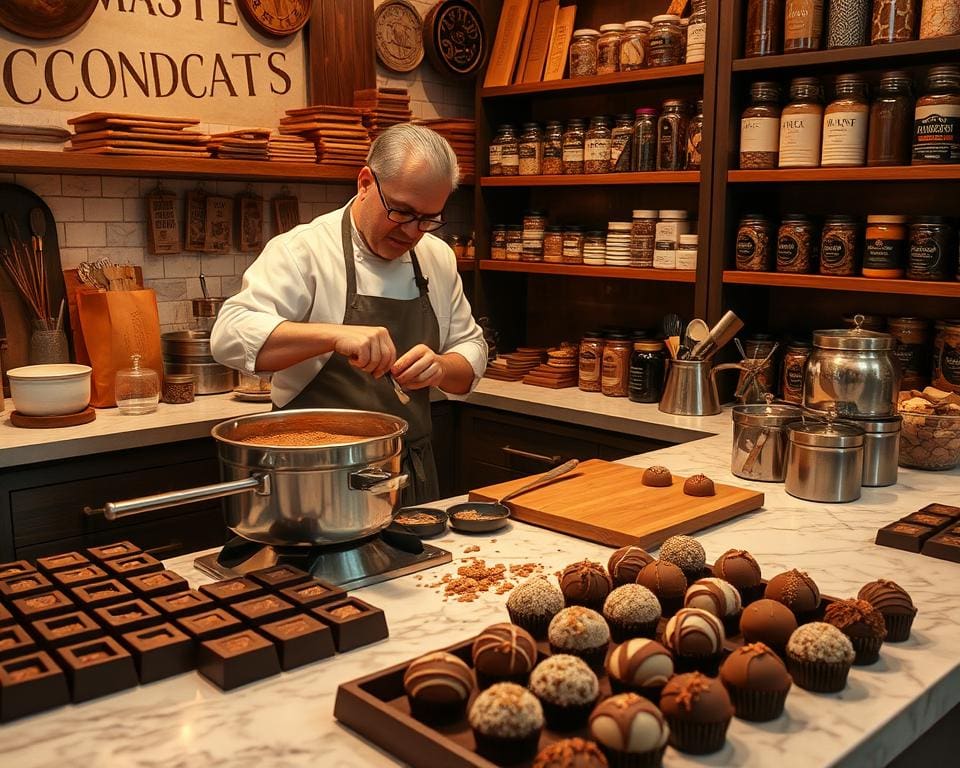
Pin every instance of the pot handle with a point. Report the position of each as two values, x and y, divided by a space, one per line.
373 480
113 510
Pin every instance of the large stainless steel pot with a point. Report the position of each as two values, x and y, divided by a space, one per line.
300 495
189 352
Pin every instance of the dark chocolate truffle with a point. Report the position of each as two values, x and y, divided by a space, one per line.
657 477
698 710
504 653
667 582
628 725
770 622
438 686
626 563
894 603
862 623
739 568
699 485
570 753
757 681
796 590
585 583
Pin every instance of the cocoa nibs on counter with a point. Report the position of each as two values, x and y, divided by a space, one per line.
474 548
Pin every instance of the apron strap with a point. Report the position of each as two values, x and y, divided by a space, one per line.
348 261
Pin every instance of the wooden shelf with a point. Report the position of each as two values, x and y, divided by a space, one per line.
890 173
830 283
465 265
679 72
585 270
889 56
594 179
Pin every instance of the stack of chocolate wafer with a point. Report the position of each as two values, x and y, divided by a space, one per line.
246 144
513 366
116 133
383 107
337 133
287 148
460 133
560 370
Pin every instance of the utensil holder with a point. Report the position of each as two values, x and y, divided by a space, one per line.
48 343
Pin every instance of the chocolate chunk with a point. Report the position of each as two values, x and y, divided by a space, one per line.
110 551
133 565
262 609
23 585
934 509
354 623
158 583
101 593
30 684
906 536
279 576
5 616
14 641
160 651
96 668
209 625
53 563
182 604
39 606
300 640
127 616
945 546
929 519
16 568
67 629
233 590
237 659
312 593
81 574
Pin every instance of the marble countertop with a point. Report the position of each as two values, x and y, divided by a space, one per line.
288 720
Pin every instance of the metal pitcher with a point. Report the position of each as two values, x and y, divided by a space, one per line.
691 388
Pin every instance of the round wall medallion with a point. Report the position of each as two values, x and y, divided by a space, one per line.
43 20
277 18
398 31
454 38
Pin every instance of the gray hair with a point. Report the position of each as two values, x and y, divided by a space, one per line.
406 142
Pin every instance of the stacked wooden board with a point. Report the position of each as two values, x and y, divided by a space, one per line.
382 108
245 144
286 148
513 366
460 134
117 133
337 133
559 372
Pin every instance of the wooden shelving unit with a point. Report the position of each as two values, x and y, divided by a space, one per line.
831 283
585 270
594 180
859 174
616 80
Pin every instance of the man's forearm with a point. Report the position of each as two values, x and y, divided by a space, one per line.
458 374
292 343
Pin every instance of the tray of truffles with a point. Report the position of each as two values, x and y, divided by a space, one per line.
615 665
80 625
933 531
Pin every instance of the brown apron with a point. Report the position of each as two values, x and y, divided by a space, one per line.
340 385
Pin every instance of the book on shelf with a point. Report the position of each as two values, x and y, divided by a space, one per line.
506 44
556 62
541 30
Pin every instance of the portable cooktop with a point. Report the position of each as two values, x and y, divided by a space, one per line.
354 564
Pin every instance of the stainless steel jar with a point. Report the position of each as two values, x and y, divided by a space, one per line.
881 449
852 371
824 461
760 440
189 352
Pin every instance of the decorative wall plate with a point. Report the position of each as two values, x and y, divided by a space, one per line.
277 18
454 38
42 19
398 31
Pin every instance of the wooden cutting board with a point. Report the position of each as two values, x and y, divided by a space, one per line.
606 503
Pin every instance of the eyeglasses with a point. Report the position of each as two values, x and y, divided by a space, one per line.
424 223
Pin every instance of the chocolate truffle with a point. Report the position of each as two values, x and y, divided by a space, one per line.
657 477
631 611
819 657
685 552
580 632
667 582
769 622
626 563
757 681
695 638
715 596
568 690
506 720
585 583
698 711
894 603
862 623
639 665
796 590
438 686
699 485
740 568
533 604
626 726
570 753
503 653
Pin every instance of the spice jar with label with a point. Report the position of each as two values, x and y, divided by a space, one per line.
633 45
939 18
510 153
687 250
665 44
847 23
894 21
553 244
794 360
801 124
534 225
760 127
803 25
573 245
891 121
583 53
912 335
694 148
514 242
936 121
595 248
596 146
696 47
590 361
753 248
178 388
552 163
946 356
932 247
530 150
671 225
643 232
885 249
764 28
645 140
608 48
796 244
838 246
573 145
498 242
621 144
671 135
647 368
615 371
845 121
506 134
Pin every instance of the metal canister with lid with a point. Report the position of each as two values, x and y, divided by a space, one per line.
824 461
760 440
881 450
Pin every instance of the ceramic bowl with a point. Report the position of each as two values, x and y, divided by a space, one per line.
55 389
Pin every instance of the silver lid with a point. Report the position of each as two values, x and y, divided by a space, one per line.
854 339
826 434
757 415
881 425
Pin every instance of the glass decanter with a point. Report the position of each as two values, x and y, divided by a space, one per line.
137 389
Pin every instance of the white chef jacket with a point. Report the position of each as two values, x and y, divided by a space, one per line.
300 276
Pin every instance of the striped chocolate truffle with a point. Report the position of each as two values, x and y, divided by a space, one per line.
626 563
694 632
503 650
628 723
585 583
640 663
715 596
438 678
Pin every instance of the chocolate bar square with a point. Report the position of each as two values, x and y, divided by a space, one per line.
101 593
53 563
279 576
82 574
133 565
51 603
67 629
5 616
237 659
934 509
127 616
23 585
30 684
929 519
182 604
945 546
16 568
158 583
232 590
300 640
209 625
110 551
96 668
262 609
14 641
354 623
312 593
906 536
160 651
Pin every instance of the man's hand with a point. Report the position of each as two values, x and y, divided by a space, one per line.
419 368
369 348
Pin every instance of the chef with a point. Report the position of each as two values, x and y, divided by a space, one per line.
334 305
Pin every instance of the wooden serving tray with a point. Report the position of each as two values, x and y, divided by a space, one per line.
608 504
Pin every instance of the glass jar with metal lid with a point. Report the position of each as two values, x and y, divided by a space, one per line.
824 461
552 163
621 144
615 371
754 251
796 244
647 369
498 242
885 249
696 43
672 135
573 245
608 48
590 361
694 144
760 127
514 242
574 138
645 139
596 148
530 150
583 53
665 45
801 125
844 141
936 118
534 225
838 246
643 237
595 248
633 45
890 134
553 244
912 351
946 356
794 361
506 134
932 247
178 388
509 142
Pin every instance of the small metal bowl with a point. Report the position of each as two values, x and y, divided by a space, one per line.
435 527
493 517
